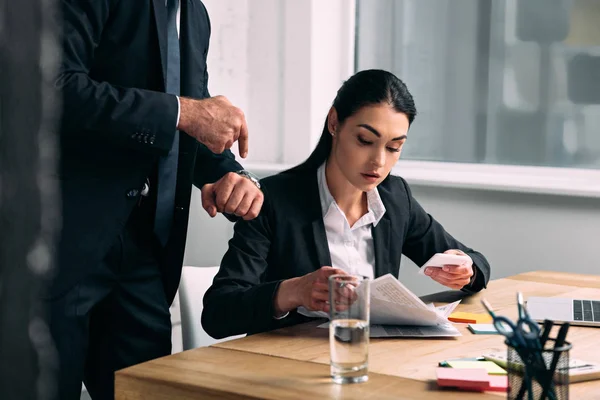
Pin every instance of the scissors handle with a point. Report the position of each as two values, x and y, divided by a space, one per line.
506 327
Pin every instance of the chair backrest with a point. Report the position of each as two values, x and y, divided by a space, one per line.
195 281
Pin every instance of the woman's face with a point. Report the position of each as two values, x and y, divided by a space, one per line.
368 144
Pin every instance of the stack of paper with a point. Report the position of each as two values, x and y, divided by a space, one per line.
398 312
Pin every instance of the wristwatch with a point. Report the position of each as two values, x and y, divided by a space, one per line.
246 174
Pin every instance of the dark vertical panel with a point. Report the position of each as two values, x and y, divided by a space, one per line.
29 199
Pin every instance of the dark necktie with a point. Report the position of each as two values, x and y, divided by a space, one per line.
167 165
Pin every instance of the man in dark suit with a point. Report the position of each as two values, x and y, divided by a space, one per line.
138 129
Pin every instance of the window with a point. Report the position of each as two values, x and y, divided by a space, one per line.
495 81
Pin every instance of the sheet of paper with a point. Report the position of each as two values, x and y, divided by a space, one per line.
392 303
448 309
389 313
390 289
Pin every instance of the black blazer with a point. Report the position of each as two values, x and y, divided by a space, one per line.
117 122
288 240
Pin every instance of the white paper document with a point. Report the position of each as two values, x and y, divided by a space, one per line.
398 312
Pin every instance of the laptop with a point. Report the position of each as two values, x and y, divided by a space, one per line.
573 311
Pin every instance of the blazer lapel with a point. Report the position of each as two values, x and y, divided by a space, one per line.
381 241
321 246
317 227
160 16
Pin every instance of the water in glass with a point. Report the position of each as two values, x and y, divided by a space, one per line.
349 347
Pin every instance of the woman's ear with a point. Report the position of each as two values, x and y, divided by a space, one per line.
332 121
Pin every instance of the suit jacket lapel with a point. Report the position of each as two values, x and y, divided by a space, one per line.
381 242
317 227
160 16
321 246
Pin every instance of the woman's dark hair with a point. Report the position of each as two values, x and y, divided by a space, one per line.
365 88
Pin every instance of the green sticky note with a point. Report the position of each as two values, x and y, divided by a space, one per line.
490 367
483 329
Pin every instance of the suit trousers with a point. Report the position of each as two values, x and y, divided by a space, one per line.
117 316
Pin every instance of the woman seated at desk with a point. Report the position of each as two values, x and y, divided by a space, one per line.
338 212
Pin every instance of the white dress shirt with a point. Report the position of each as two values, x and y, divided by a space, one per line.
351 247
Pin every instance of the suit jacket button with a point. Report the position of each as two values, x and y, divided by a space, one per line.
132 193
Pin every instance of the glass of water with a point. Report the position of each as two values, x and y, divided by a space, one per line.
349 328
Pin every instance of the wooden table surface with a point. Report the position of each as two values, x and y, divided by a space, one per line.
293 362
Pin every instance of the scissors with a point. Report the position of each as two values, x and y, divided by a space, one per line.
524 334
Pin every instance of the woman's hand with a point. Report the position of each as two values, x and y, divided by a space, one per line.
310 291
452 276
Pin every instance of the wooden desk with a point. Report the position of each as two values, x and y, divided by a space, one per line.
293 362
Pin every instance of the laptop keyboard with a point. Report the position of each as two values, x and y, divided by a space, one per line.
586 310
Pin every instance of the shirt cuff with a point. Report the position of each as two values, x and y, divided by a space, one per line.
178 111
282 317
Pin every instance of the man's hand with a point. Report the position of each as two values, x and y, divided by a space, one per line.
452 276
214 122
232 194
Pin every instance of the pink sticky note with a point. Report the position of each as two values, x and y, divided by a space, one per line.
498 383
463 378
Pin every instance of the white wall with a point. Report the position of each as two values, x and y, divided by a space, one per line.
281 62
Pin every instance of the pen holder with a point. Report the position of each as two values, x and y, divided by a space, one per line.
538 374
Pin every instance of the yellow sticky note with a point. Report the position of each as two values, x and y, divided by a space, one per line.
470 318
489 366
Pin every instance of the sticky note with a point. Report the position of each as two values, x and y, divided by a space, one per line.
445 362
470 318
490 367
470 379
483 329
498 383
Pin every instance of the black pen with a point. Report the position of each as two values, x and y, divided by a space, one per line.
546 332
560 341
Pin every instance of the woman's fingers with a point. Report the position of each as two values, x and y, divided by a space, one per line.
319 295
458 270
451 282
437 273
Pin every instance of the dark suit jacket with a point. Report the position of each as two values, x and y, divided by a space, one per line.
117 122
288 240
